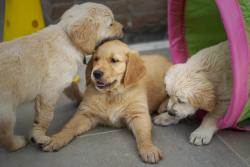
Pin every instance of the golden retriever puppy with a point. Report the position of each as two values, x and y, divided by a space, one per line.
200 83
123 89
39 66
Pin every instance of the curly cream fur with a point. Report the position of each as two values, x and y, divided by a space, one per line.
203 82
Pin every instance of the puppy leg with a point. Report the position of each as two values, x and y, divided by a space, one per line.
141 127
204 133
73 92
7 123
163 106
80 123
44 106
164 119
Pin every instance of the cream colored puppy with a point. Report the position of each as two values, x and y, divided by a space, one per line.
123 89
201 83
38 67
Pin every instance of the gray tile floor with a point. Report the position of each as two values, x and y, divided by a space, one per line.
107 147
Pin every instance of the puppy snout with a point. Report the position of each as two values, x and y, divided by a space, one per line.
172 113
98 74
125 30
119 25
119 29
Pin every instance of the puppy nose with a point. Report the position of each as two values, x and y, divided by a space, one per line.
172 113
125 30
98 74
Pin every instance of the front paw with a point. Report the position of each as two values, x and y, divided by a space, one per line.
201 137
165 119
150 154
55 144
39 138
17 142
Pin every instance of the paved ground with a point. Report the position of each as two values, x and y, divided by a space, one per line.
107 147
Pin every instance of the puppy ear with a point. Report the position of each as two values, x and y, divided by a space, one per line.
88 71
204 98
135 69
83 35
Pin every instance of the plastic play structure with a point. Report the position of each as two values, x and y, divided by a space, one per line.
196 24
22 18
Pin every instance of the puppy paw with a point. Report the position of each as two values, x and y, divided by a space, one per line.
165 119
40 139
150 154
201 137
56 144
17 143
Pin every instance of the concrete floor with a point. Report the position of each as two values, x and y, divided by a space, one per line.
107 147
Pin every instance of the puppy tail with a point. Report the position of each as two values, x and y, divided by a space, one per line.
73 92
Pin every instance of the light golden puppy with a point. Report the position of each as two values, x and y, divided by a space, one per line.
123 89
203 82
39 66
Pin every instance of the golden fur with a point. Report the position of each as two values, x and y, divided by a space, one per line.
203 82
39 66
135 90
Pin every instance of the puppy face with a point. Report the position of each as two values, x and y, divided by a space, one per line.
113 66
189 91
90 24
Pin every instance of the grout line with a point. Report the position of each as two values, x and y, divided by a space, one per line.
147 46
100 133
235 152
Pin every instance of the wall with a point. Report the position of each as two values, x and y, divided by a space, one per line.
144 20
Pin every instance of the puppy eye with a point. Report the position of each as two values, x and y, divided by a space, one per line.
114 60
111 25
168 95
180 101
96 59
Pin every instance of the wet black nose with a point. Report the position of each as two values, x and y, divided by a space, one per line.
98 74
172 113
125 30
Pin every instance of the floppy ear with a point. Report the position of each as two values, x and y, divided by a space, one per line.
135 69
83 35
204 98
89 71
